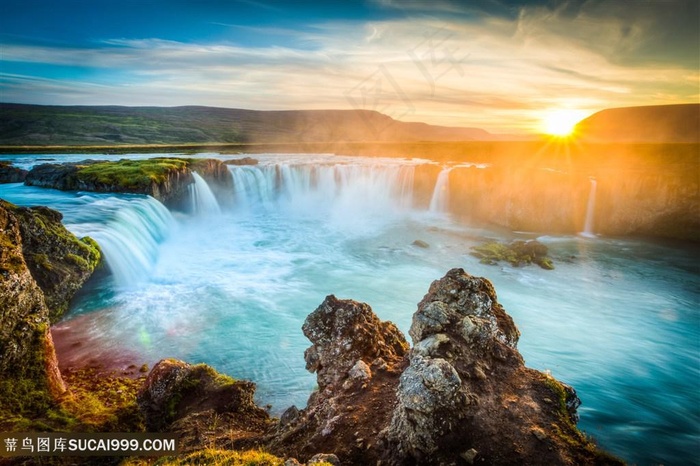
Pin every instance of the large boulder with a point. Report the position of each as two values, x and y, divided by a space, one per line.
10 174
198 403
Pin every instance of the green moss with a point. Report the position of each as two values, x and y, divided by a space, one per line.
566 430
198 374
131 175
103 403
516 253
77 260
219 379
215 457
94 403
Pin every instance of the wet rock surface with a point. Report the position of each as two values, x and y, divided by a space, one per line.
10 174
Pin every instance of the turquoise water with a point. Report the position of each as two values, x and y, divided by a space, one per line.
618 319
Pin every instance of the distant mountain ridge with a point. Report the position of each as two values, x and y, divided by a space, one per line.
658 123
22 124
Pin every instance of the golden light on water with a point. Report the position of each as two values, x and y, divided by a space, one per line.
561 122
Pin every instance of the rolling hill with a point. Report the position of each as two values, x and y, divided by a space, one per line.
659 123
111 125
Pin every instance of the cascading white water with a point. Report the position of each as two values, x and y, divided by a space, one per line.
203 200
343 193
233 290
439 202
130 237
590 211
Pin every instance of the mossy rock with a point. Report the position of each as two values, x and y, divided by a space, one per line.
211 456
130 175
516 253
59 262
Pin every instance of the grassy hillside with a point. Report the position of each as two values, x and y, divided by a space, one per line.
88 125
659 123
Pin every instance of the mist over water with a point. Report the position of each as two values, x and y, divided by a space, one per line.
231 283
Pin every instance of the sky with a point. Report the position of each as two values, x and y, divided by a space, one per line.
500 65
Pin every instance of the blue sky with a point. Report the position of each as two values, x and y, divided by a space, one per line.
497 64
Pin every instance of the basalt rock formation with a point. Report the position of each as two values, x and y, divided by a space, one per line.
461 395
166 179
41 266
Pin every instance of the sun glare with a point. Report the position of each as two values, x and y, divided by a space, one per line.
561 122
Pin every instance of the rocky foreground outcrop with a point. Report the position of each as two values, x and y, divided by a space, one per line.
42 265
461 395
166 179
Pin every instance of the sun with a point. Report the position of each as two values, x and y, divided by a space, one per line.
561 122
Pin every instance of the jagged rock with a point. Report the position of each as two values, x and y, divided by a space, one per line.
357 359
189 399
360 371
59 262
461 395
344 332
10 174
289 417
466 385
469 455
324 458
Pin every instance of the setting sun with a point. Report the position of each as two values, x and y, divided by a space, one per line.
561 122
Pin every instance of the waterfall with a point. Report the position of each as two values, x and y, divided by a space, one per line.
353 189
441 193
590 211
203 200
129 236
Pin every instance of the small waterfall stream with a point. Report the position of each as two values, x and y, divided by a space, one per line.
590 211
129 236
439 202
203 200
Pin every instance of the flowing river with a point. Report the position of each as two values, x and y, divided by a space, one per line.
230 281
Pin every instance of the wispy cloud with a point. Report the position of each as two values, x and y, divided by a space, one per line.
499 72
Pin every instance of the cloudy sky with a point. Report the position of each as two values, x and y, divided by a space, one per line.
501 65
